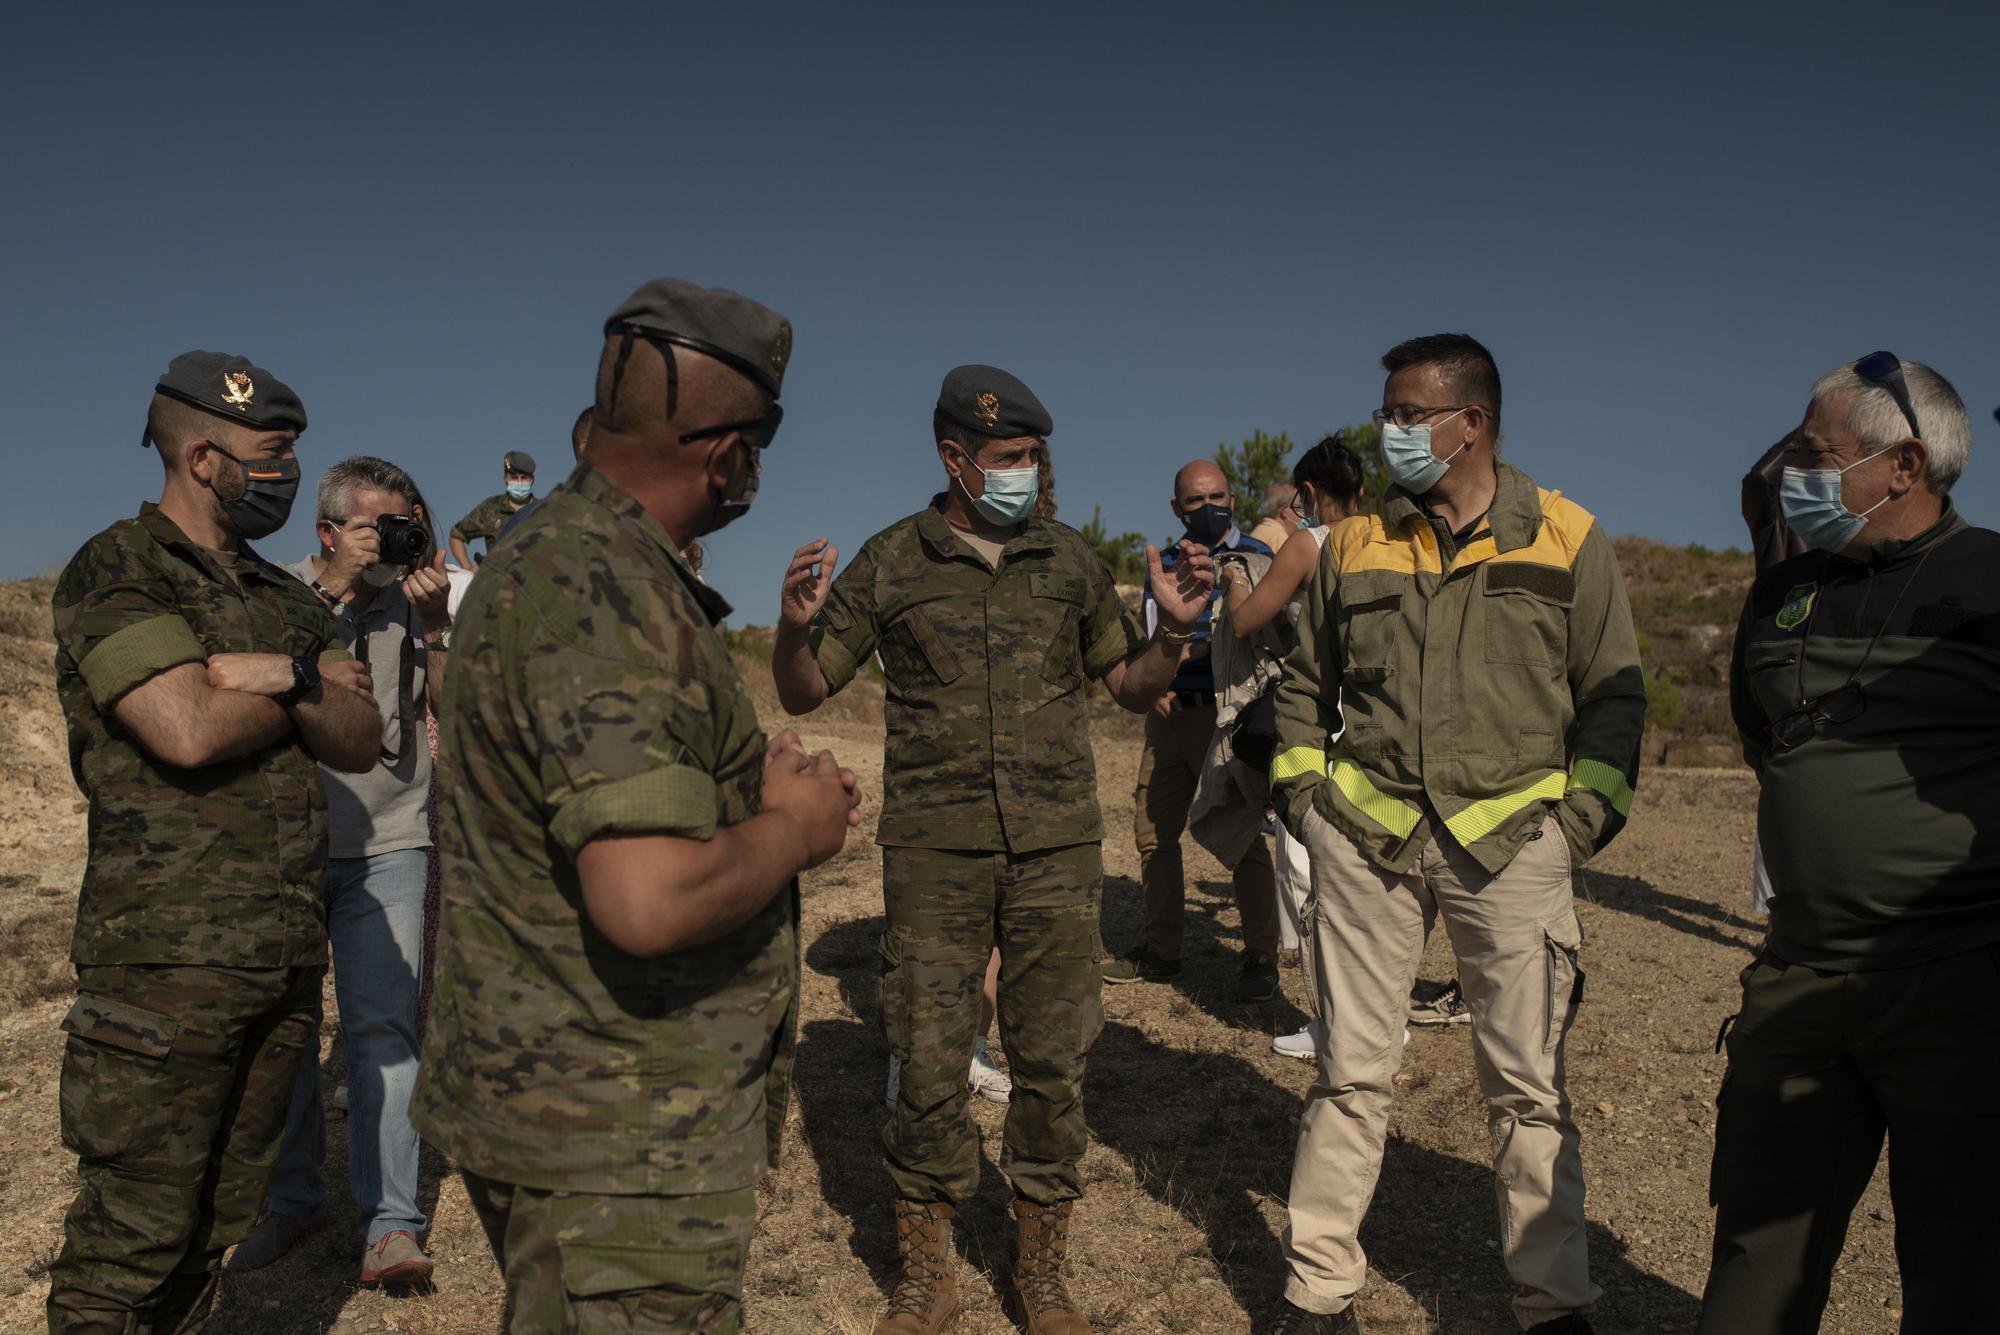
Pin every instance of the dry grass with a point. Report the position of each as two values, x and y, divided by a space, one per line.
1192 1116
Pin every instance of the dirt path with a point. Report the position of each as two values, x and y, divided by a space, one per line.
1192 1115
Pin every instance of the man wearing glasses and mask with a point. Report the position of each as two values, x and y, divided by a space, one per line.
1469 649
1866 685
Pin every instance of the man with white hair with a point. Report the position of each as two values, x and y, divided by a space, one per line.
1863 683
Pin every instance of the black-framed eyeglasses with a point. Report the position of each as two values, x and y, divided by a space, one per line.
1409 414
758 431
1885 369
1843 704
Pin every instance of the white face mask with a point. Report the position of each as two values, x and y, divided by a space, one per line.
380 575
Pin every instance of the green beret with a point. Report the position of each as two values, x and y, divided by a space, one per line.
736 331
987 400
231 388
519 461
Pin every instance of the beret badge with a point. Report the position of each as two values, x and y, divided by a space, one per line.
781 347
236 389
986 407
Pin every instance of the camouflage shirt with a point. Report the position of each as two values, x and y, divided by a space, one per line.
487 519
590 695
211 866
988 742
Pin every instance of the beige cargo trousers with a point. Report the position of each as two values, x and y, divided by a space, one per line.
1516 938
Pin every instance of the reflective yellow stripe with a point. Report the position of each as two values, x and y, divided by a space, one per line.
1290 764
1488 814
1606 781
1398 818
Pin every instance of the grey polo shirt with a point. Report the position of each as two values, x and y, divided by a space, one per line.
386 809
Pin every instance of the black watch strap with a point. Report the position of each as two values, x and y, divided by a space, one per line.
305 680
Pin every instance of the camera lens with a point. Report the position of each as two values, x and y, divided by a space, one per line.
415 543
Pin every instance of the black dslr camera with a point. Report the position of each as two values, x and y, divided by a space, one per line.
405 542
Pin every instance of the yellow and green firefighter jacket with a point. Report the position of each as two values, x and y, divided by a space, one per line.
1480 684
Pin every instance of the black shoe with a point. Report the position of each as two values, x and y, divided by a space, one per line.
1573 1324
1259 979
1290 1320
1142 966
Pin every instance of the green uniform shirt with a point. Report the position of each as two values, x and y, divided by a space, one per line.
211 866
591 695
1879 829
1473 687
988 745
487 519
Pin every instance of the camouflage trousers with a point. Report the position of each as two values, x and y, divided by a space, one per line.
175 1084
584 1264
946 911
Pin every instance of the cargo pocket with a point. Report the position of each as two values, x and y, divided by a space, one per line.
647 1288
1563 946
943 662
1091 1013
1063 664
119 1093
895 997
1526 609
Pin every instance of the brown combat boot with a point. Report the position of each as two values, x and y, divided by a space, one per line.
926 1297
1038 1262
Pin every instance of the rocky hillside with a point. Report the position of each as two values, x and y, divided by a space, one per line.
1685 601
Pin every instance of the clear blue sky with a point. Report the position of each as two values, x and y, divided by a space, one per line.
1178 223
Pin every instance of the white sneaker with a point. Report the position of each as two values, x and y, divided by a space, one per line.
895 1079
1303 1045
985 1079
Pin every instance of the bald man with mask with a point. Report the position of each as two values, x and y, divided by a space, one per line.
1179 729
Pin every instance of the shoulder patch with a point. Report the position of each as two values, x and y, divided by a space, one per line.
1797 606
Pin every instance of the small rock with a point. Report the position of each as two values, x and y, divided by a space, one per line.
1604 1108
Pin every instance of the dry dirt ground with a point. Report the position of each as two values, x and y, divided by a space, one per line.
1192 1116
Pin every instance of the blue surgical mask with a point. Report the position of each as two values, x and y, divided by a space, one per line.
1809 499
1407 452
520 491
1009 495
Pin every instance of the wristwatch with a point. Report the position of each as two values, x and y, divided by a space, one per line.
439 640
305 680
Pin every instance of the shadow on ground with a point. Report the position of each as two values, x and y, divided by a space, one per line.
1696 917
319 1275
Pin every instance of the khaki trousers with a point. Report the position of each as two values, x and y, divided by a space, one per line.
1516 939
1169 770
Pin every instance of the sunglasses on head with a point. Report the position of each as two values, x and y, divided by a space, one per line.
1885 370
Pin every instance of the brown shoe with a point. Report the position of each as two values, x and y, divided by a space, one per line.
1043 1241
395 1259
926 1297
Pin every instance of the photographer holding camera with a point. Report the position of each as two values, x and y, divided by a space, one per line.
379 573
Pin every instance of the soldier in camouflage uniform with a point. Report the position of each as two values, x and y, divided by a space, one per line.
617 977
491 516
991 623
201 685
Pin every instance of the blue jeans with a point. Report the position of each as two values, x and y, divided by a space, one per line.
375 919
